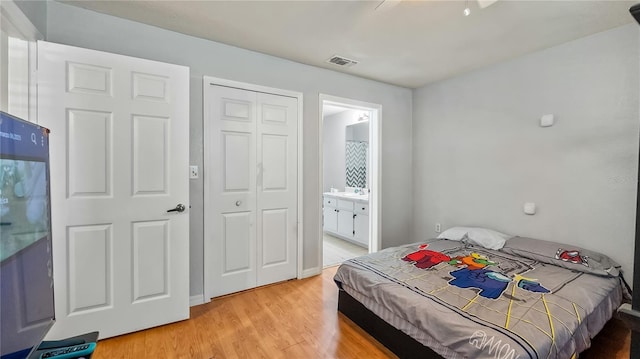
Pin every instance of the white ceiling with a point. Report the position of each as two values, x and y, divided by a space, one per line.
330 110
410 44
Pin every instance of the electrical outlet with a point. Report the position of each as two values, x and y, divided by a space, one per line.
193 172
438 228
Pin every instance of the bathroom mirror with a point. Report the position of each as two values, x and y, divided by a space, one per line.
357 154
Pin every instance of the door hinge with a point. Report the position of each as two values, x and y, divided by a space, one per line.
354 216
354 232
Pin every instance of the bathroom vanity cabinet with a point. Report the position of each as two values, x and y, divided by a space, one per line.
346 216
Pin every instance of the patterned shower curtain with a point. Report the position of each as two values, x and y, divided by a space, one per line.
356 160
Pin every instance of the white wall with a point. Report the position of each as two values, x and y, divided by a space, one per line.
78 27
479 152
334 136
36 12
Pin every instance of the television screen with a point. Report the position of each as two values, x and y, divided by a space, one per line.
26 278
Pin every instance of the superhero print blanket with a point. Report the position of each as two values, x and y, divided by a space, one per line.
480 303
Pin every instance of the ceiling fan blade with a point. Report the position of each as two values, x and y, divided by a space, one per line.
387 4
486 3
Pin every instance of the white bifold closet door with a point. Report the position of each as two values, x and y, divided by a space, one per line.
251 202
119 147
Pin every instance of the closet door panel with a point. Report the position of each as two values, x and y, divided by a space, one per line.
230 208
251 191
277 192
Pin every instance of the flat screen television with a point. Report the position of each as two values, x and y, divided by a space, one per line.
26 267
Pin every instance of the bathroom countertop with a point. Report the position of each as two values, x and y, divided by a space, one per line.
360 198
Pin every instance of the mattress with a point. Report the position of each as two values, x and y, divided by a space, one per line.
466 301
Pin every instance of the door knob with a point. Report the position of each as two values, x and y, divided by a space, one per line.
179 208
238 203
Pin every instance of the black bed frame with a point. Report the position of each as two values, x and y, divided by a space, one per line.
398 342
395 340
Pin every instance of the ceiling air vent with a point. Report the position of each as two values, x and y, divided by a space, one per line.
341 61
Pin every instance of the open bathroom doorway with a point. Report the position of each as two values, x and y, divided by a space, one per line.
349 178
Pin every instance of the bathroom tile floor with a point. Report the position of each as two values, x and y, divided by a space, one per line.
336 250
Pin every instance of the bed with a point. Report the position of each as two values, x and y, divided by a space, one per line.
459 299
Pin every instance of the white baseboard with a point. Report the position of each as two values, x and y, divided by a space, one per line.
196 300
310 272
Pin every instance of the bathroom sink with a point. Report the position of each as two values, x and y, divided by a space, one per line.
350 195
353 195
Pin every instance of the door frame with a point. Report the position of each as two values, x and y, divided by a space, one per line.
375 148
208 231
16 24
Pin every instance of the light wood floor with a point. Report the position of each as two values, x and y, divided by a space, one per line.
294 319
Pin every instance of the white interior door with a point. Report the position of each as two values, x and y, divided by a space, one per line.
119 160
277 126
231 113
251 201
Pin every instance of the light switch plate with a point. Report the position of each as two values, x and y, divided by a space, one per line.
193 172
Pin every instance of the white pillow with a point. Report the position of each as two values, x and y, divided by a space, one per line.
484 237
454 233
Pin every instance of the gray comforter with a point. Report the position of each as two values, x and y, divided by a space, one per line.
480 303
